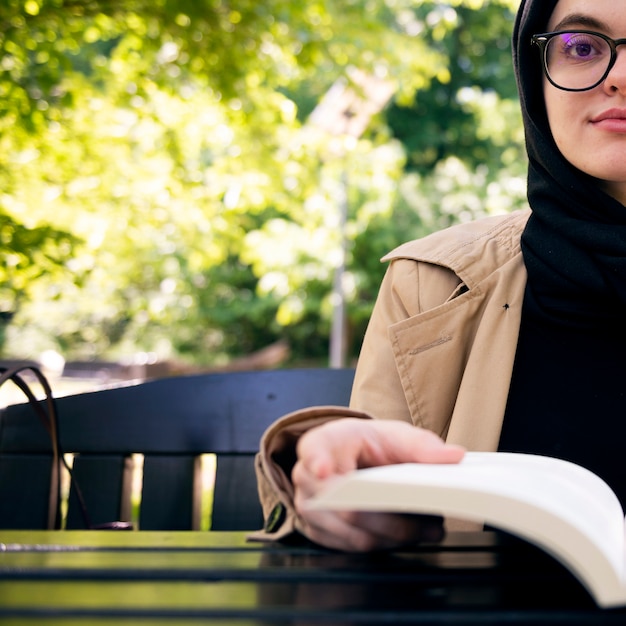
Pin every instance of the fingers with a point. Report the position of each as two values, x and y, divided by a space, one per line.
347 444
333 531
341 446
362 532
354 530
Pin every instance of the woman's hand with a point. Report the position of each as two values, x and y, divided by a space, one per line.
338 447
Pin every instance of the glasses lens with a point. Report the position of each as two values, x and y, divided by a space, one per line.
577 60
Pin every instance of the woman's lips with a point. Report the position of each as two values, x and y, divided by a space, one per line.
613 120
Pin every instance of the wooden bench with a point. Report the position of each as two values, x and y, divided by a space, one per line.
172 422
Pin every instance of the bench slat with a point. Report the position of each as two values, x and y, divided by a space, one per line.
24 488
170 494
105 482
235 499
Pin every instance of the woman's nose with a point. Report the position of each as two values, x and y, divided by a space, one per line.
616 78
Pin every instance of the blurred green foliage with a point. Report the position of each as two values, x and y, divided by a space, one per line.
163 190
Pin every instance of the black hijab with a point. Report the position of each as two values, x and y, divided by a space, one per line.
574 246
567 396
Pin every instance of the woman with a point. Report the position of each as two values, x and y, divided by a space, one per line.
505 334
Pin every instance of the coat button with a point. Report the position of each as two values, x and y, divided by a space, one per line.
276 518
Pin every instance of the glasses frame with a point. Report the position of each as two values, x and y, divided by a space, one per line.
542 40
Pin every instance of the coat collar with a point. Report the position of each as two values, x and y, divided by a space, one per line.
472 251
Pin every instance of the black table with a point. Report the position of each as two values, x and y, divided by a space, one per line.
107 577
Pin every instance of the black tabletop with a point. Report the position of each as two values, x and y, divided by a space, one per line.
107 577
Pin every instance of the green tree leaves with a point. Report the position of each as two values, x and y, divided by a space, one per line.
172 140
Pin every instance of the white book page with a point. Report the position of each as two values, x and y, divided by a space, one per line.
563 508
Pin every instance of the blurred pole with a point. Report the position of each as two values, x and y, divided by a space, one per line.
338 338
345 111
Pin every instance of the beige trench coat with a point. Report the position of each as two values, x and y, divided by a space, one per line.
438 351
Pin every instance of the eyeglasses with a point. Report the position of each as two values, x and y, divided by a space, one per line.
577 60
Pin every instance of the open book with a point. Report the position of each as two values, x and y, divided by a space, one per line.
559 506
